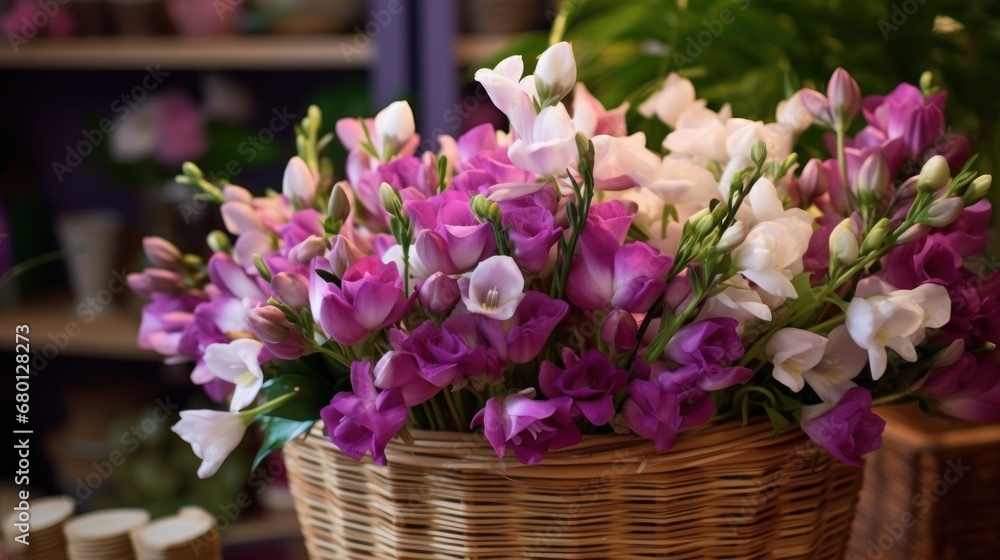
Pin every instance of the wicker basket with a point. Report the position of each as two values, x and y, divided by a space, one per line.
723 492
932 492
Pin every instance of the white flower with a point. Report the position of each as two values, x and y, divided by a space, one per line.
772 254
792 112
237 362
394 126
897 320
677 180
494 288
700 134
842 361
555 73
504 84
738 302
299 183
546 143
676 97
794 352
844 244
212 434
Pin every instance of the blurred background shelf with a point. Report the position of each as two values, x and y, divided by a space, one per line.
232 52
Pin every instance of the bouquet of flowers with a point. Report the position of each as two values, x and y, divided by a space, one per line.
563 279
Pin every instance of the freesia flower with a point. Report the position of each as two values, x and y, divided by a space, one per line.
530 427
532 233
365 420
673 99
162 253
842 361
299 183
520 338
896 320
239 363
546 142
212 434
164 321
400 370
369 298
276 332
794 352
660 407
591 382
737 301
848 430
494 289
439 293
504 84
772 254
707 349
394 127
555 73
451 240
442 356
620 331
592 119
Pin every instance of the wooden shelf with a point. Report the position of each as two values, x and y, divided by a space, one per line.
112 333
275 52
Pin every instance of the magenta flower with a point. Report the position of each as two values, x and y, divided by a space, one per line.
439 293
968 389
848 430
365 420
443 358
276 332
591 383
709 342
660 407
405 173
164 321
607 275
930 259
531 427
401 371
519 339
369 298
455 242
532 233
620 331
233 281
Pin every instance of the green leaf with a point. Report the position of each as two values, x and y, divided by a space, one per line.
278 432
313 393
778 419
328 276
806 297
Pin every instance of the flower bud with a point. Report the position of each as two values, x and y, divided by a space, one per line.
439 293
908 189
394 126
843 243
290 290
948 355
977 190
262 268
234 193
155 280
912 234
390 199
269 325
758 152
732 237
240 217
873 179
876 236
161 252
299 183
844 95
312 247
484 208
343 254
695 221
814 180
818 106
339 208
934 175
620 331
555 73
945 211
219 242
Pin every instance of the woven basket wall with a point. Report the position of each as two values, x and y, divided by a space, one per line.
726 492
931 493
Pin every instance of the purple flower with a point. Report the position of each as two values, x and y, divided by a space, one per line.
232 280
620 331
443 357
660 407
975 310
400 370
369 298
164 321
531 427
705 352
365 420
930 259
405 174
532 233
303 225
276 332
591 383
848 430
453 241
612 217
519 339
439 293
607 275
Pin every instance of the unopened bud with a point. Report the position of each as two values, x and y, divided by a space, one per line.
268 323
873 179
944 211
343 254
977 190
934 175
161 252
913 233
620 331
240 217
949 355
312 247
390 199
908 189
339 208
262 268
555 73
732 237
484 208
758 153
290 290
843 243
219 242
844 95
191 170
876 236
439 293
